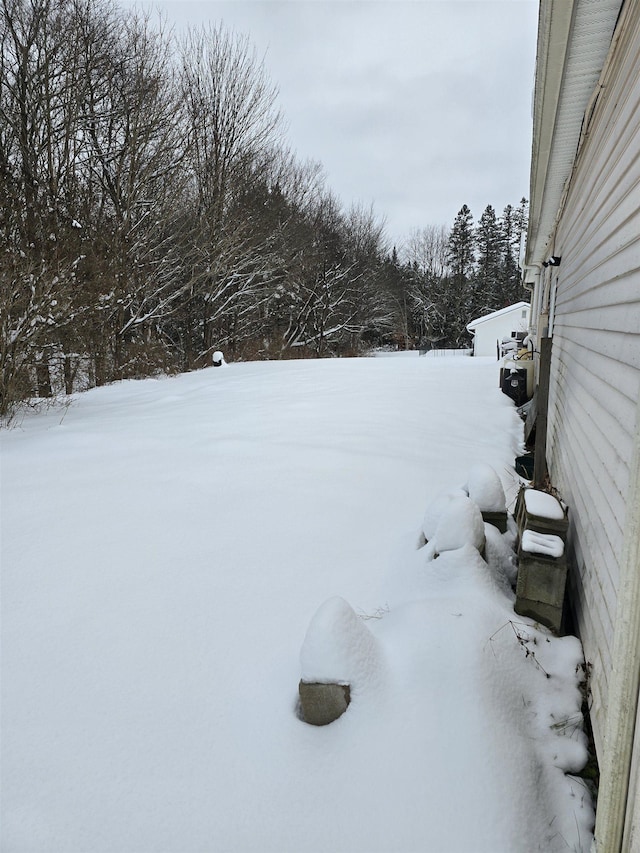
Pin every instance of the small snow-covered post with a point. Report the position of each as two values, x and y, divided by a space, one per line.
339 653
218 359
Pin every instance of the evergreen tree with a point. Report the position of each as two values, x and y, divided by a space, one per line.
509 284
490 246
461 258
461 255
514 224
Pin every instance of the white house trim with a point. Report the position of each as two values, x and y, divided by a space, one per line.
624 684
574 37
585 209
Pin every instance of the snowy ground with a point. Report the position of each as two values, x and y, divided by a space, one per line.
165 546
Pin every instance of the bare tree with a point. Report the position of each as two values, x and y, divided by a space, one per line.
426 257
135 144
39 155
231 113
233 126
151 212
33 305
426 250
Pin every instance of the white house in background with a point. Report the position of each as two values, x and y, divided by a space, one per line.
582 264
490 330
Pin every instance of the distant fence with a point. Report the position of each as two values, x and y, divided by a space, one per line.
435 353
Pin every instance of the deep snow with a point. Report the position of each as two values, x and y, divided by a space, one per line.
166 545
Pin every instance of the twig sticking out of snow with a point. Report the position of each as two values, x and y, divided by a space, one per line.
378 613
523 639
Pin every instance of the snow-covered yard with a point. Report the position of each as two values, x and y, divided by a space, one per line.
165 546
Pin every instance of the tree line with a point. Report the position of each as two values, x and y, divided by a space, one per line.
151 213
452 276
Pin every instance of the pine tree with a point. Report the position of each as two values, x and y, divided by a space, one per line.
461 258
514 224
490 246
461 247
509 284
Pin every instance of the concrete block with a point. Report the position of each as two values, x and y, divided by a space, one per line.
545 614
541 578
498 519
527 520
321 703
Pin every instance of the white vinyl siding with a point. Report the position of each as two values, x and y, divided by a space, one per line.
595 363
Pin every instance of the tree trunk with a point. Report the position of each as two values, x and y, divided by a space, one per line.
43 377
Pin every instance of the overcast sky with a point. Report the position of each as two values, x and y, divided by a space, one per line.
415 106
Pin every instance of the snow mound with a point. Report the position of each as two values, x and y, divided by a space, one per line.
499 555
546 695
484 487
460 524
436 509
338 647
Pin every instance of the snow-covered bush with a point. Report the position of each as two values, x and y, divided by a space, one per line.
484 487
436 509
460 524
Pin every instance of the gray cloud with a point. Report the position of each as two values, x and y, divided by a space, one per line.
418 106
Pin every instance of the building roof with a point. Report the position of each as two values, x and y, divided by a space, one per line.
517 306
574 38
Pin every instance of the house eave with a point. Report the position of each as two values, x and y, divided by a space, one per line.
574 37
501 312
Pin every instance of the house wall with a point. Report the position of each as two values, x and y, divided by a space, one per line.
490 331
595 366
